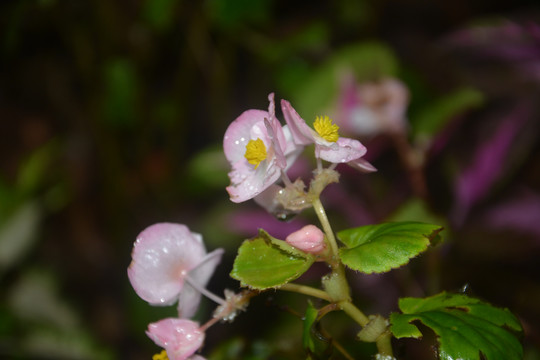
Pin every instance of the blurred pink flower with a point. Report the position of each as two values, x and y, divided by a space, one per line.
168 264
329 145
372 108
259 149
179 337
309 239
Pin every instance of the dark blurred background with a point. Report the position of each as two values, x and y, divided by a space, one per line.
112 115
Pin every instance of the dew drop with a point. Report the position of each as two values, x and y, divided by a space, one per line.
465 289
284 215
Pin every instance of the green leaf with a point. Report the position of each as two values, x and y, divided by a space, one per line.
416 209
380 248
466 327
35 168
265 262
18 233
208 170
311 37
234 14
316 345
309 320
440 111
160 13
121 92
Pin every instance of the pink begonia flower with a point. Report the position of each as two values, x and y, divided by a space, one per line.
179 337
259 149
168 263
329 145
309 239
373 107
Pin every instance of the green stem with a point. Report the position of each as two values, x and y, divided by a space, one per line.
355 313
306 290
384 344
203 291
321 214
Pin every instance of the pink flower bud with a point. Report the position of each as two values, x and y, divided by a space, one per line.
309 239
179 337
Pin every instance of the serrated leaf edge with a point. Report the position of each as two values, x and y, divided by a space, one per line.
429 237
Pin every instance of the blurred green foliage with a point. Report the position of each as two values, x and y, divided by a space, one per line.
433 117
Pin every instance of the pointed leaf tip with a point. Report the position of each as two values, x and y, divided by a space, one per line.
380 248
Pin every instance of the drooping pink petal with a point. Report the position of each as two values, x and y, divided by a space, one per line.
189 299
342 151
246 182
300 131
309 239
362 165
162 255
179 337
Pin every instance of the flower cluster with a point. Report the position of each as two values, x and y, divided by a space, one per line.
260 149
170 263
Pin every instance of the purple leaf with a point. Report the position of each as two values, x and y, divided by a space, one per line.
520 212
488 164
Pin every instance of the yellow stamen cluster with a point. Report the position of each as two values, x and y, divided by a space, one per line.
326 129
255 152
161 356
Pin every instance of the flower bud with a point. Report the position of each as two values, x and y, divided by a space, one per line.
309 239
179 337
